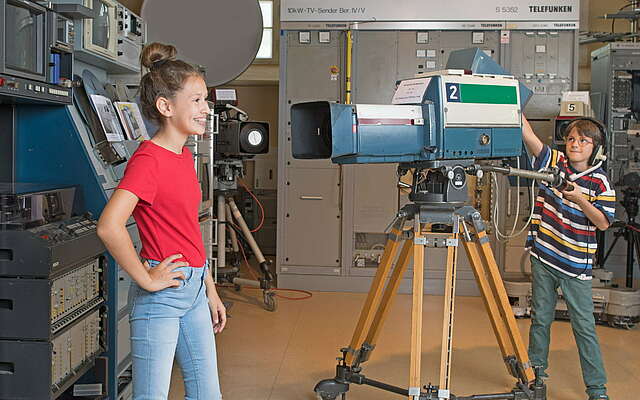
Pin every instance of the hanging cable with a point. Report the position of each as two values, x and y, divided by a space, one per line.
513 234
256 229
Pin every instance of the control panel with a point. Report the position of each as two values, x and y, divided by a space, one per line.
15 87
67 230
131 37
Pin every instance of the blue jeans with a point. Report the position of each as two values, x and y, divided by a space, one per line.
173 322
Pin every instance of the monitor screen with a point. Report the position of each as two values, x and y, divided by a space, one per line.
24 39
101 26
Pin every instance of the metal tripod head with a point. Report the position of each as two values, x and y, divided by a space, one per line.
226 173
442 184
439 183
629 201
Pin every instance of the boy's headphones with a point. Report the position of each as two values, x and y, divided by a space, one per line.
599 151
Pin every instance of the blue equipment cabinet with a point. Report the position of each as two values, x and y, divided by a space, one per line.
52 147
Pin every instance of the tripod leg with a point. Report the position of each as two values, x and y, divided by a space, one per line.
389 294
373 297
449 308
265 283
246 231
606 256
488 299
629 235
232 233
222 238
636 245
267 279
497 302
416 310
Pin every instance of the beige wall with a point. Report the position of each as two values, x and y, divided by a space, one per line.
133 5
260 74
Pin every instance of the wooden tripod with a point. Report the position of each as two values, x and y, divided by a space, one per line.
466 224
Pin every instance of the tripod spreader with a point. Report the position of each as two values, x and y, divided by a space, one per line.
551 176
331 389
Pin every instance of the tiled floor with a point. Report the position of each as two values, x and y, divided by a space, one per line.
281 355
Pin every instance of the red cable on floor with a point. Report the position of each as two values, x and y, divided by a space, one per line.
307 295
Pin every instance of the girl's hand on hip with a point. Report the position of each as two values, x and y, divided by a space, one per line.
163 276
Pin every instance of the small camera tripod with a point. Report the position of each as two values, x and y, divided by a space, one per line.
629 230
226 172
438 195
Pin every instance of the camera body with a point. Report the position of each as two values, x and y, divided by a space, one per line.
470 111
242 138
234 135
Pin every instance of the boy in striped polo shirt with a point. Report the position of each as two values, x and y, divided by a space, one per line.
562 240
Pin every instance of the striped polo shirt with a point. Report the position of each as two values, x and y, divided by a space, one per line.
561 235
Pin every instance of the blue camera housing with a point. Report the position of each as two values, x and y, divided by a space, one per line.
449 115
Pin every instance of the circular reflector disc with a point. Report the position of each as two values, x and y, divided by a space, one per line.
223 36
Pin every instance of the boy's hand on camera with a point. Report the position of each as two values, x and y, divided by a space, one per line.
163 275
573 193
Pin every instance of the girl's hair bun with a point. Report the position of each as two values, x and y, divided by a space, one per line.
156 54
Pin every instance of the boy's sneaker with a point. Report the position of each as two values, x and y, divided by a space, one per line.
599 397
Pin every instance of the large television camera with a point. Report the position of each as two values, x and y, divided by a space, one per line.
438 124
471 110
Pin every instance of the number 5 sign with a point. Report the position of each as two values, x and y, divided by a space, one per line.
573 108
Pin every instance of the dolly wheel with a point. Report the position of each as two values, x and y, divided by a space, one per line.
330 389
270 303
329 396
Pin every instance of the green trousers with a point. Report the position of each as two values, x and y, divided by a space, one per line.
577 294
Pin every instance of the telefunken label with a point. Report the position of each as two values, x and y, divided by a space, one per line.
550 9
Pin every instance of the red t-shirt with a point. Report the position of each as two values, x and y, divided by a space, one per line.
169 193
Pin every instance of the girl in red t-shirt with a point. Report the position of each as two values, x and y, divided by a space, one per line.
175 308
